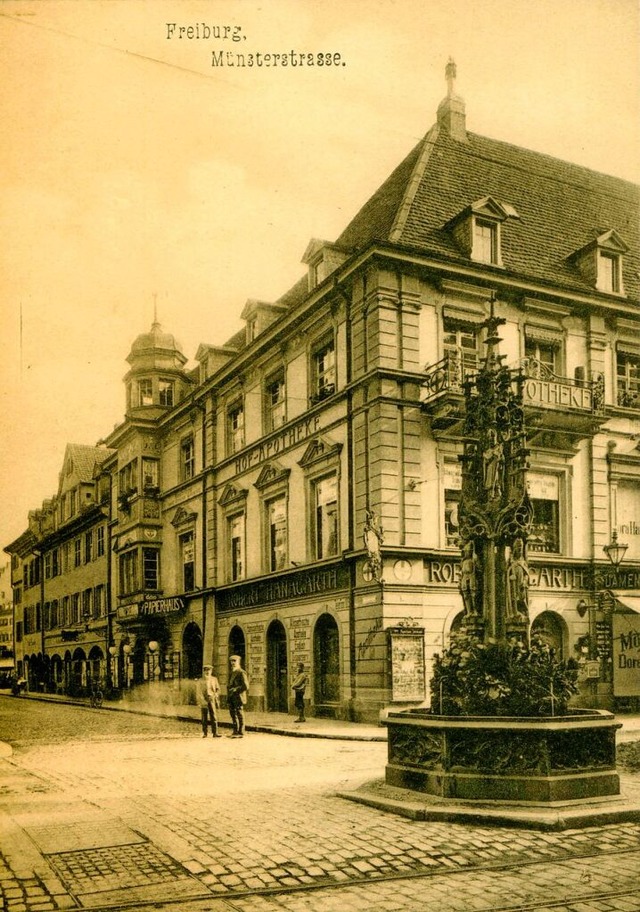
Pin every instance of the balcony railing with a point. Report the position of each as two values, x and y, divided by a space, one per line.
448 375
628 394
545 389
541 386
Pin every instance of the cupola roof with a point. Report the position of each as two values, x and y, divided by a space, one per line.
156 341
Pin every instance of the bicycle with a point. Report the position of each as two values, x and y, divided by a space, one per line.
96 696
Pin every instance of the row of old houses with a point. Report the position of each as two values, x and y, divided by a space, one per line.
294 496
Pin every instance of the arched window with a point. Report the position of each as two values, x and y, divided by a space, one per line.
237 644
550 627
192 651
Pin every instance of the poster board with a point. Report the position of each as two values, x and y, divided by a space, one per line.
406 651
626 655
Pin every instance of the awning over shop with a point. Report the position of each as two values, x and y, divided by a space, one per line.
630 600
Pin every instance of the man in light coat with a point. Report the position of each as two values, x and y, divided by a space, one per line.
208 694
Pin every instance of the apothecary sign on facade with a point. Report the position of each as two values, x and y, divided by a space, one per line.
406 648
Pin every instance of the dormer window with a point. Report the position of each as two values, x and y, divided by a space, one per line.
485 241
600 262
609 272
259 315
477 229
321 258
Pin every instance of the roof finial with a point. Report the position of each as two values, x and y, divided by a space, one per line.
155 308
450 75
451 110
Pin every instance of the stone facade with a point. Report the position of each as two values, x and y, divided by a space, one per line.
294 497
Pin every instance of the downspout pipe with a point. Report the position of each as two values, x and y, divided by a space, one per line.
351 501
40 557
203 411
109 631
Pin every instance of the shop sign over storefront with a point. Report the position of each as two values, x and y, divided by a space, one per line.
150 607
559 577
293 586
626 655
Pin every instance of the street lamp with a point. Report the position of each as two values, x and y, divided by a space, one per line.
113 651
153 648
615 550
126 649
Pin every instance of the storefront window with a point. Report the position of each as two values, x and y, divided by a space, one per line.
326 516
236 546
451 518
129 573
277 532
545 531
151 568
187 547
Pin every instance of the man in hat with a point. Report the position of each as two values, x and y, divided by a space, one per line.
299 686
208 694
237 687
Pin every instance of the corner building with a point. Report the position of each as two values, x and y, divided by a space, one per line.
342 410
295 496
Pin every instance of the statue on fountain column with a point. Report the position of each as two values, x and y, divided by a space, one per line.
469 580
493 458
517 603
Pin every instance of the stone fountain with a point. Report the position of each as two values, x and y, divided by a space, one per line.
550 767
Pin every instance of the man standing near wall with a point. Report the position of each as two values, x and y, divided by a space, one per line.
208 693
299 686
237 688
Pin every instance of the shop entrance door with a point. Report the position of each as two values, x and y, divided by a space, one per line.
326 659
277 671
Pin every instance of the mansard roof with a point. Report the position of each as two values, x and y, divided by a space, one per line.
562 207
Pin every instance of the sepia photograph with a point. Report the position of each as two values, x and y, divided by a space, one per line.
320 455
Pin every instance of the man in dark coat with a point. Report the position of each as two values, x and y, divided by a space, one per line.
237 687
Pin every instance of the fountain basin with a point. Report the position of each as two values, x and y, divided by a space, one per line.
516 759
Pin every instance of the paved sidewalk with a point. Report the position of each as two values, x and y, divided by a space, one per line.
257 826
283 723
269 722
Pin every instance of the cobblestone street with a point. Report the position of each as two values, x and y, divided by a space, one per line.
110 810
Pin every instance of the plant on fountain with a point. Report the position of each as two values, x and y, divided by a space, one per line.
473 678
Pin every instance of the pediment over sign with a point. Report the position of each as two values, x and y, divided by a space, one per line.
319 449
232 494
183 516
271 474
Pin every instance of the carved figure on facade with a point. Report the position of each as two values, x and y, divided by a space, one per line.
517 602
373 536
598 394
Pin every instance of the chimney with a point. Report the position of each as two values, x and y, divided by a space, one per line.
451 110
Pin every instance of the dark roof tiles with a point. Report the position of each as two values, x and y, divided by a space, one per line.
562 207
85 458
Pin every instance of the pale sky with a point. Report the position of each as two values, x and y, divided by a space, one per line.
130 166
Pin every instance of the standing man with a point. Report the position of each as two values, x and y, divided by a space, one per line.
299 686
208 693
237 687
